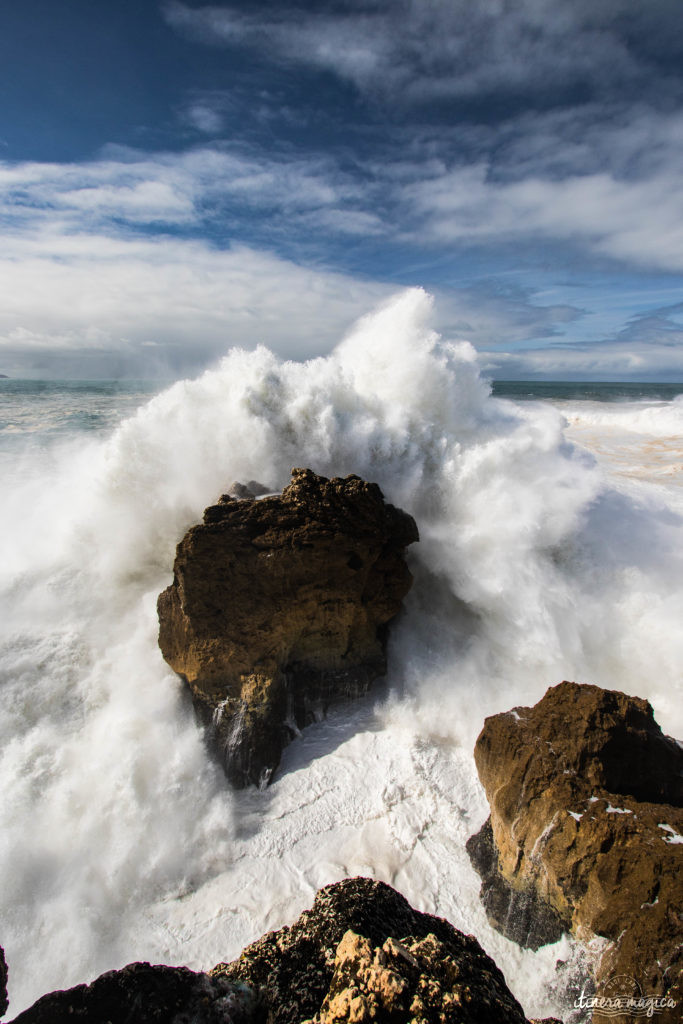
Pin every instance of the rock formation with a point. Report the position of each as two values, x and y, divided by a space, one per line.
279 608
3 982
586 824
361 954
145 994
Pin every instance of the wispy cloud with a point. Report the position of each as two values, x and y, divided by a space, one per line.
107 262
204 117
175 189
588 362
419 50
650 345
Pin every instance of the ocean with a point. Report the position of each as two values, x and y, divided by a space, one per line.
551 523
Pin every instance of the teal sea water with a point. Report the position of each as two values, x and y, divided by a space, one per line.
59 408
586 391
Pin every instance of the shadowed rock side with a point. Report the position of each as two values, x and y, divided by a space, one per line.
585 794
279 608
3 982
361 954
145 994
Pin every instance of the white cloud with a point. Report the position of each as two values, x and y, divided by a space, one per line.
204 118
109 258
164 304
638 222
168 185
595 362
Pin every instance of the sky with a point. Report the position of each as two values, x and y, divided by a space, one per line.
178 178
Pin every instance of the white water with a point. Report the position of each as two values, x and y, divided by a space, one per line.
119 840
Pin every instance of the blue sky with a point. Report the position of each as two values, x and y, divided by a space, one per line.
177 178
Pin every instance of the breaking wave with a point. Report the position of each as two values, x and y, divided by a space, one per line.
119 840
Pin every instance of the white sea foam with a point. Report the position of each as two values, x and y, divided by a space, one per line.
637 441
119 839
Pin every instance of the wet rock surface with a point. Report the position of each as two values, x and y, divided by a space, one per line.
279 608
585 794
517 913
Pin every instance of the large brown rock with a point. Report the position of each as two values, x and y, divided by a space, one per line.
585 794
279 608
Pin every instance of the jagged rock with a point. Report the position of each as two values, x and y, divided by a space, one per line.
143 994
279 608
585 794
3 977
363 954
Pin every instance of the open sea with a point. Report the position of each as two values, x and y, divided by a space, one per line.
551 523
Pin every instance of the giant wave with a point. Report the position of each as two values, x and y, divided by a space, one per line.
119 839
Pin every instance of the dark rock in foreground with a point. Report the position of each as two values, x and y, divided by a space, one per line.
585 794
3 982
361 954
279 608
143 994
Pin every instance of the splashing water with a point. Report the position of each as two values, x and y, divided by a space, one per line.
119 838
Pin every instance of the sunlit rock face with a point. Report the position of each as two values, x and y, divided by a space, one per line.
585 831
279 608
361 954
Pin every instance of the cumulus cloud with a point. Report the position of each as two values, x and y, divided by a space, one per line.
105 268
638 222
163 306
107 265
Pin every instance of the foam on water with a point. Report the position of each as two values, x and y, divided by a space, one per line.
637 441
119 840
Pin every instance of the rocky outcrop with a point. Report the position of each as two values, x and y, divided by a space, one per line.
361 954
279 607
3 982
145 994
586 830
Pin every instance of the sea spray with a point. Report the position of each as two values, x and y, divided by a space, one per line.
119 838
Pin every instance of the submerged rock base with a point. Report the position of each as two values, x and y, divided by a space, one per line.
586 834
279 607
